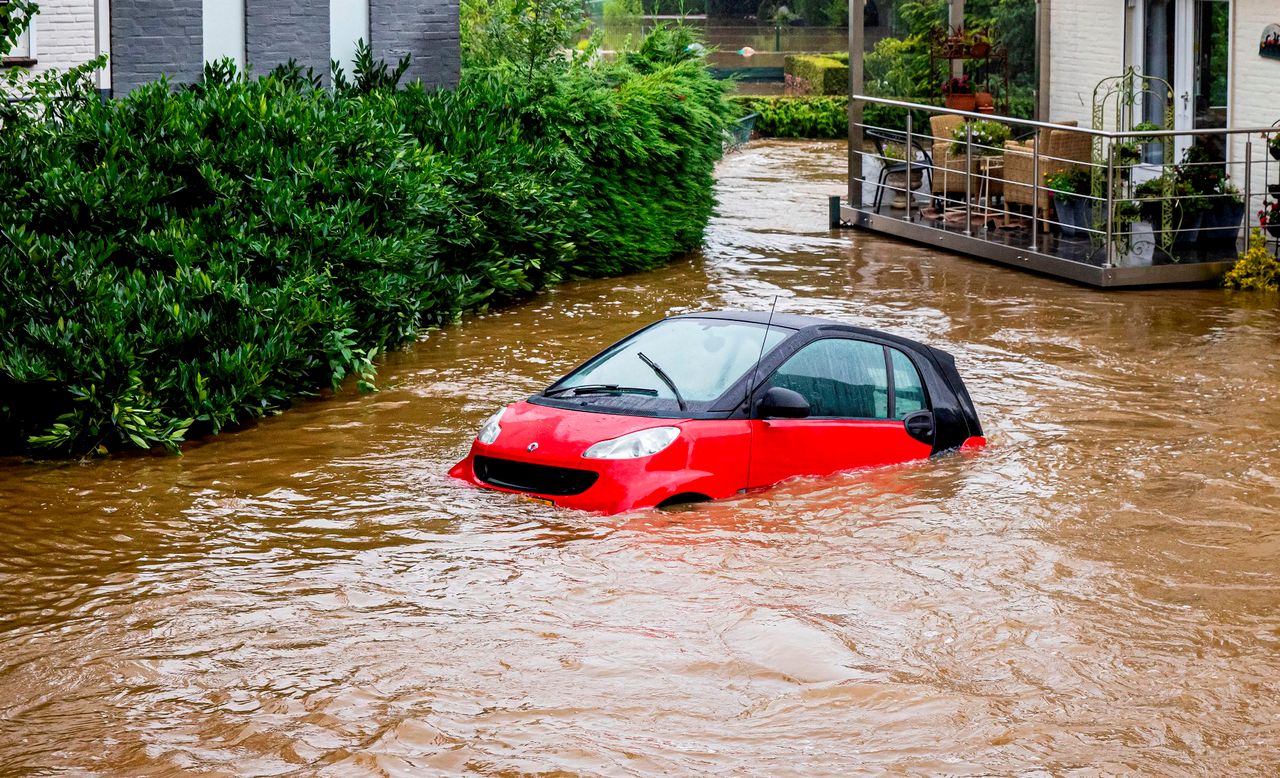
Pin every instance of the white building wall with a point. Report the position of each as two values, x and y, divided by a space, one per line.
66 34
1086 45
1253 101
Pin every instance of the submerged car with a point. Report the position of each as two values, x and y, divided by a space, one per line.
707 405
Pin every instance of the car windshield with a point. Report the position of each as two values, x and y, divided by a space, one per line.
701 358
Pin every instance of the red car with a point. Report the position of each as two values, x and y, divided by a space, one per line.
707 405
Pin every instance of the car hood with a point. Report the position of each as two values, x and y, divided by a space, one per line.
566 431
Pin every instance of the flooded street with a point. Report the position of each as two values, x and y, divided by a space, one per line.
1099 589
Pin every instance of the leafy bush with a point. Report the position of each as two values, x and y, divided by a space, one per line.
800 117
1257 269
821 75
174 263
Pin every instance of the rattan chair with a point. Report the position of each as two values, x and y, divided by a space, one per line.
1059 150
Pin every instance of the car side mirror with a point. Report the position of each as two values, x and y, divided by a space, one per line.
780 403
920 426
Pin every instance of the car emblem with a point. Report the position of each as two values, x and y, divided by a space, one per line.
532 447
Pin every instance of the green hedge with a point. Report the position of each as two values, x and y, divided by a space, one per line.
799 117
173 263
822 74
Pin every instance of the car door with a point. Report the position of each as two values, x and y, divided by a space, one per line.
861 395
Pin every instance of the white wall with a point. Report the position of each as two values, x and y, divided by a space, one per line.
1253 94
223 29
65 34
1086 45
348 23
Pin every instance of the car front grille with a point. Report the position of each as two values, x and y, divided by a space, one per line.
539 479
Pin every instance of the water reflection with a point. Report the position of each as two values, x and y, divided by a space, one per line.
1097 590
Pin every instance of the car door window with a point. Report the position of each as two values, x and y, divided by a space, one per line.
908 390
841 379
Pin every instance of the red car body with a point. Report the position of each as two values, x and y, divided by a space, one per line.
721 450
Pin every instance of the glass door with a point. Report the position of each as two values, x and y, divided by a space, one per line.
1209 71
1185 43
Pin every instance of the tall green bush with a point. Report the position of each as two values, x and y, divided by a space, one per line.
173 263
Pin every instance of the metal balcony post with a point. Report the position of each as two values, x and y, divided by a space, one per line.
910 153
1111 205
968 176
1035 191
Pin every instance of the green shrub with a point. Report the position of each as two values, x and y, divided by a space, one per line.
800 117
822 75
174 263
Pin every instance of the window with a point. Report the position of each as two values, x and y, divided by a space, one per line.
849 379
908 391
23 53
348 24
702 357
841 379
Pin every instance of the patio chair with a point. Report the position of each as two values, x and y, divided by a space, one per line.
950 171
1063 149
922 165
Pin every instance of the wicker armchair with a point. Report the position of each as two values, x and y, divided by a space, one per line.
949 170
1059 150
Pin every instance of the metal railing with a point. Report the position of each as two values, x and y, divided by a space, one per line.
1109 198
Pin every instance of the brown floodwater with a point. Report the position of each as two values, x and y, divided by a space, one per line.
1099 590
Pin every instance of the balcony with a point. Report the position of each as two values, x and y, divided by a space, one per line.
1109 209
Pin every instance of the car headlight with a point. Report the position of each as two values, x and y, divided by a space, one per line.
634 445
490 430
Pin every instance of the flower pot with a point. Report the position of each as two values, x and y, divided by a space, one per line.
1274 229
1072 213
1274 190
1222 224
985 102
1188 228
1275 151
1141 246
962 102
980 49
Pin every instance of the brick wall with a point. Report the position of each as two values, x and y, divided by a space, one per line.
65 34
1252 98
277 31
426 30
1086 45
154 38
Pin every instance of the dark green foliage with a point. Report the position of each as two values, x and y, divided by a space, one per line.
799 117
823 75
176 262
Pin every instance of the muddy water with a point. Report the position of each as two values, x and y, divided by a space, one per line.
1099 589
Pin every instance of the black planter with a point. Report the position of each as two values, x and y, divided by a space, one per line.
1273 190
1275 151
1274 229
1188 227
1222 224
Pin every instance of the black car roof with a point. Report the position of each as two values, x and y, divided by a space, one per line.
942 359
797 322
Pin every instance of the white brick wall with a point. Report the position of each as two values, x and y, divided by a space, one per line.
65 34
1086 45
1254 100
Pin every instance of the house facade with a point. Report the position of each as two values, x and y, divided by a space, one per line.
1212 53
147 39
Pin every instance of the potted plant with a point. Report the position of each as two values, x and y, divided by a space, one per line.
1273 145
958 93
1269 217
988 138
1067 189
1186 210
1221 223
979 44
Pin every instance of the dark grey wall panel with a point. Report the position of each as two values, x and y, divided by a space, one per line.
154 38
427 30
277 31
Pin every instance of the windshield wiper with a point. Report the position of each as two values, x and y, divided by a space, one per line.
666 379
601 389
